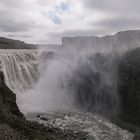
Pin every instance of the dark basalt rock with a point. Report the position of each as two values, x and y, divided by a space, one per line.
129 87
8 106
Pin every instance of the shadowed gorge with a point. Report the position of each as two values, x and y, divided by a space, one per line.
129 86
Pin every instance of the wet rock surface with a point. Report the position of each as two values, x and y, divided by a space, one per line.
7 133
129 86
86 126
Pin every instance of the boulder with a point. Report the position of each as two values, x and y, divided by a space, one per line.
8 106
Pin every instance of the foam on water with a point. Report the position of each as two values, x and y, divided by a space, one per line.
20 68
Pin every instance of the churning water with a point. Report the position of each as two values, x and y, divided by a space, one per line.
62 80
58 84
19 67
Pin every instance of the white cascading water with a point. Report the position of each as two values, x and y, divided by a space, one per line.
20 68
71 80
61 80
62 83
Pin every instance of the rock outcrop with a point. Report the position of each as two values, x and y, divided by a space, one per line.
129 86
8 106
120 41
129 91
13 124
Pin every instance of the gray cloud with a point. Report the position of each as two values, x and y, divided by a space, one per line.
13 3
12 26
11 21
31 20
116 6
120 23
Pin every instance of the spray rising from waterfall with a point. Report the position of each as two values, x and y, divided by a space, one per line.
74 80
49 80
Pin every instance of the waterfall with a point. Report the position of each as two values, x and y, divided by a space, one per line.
71 80
59 80
20 68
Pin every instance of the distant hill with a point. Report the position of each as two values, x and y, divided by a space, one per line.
120 41
49 46
6 43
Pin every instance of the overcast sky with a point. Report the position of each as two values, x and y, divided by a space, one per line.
46 21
